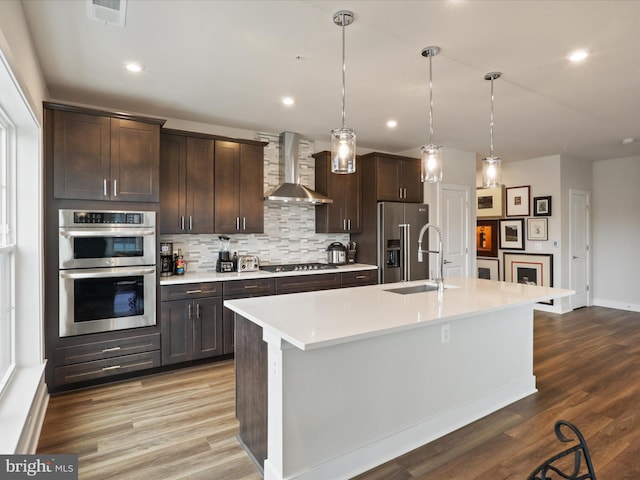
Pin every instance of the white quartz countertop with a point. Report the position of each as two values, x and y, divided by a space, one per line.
223 277
330 317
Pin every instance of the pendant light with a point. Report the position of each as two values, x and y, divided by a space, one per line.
343 140
431 164
491 164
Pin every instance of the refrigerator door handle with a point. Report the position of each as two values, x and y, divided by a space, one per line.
405 236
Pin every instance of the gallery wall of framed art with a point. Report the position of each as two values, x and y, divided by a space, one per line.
501 238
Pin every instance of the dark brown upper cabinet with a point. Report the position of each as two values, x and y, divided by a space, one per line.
239 187
103 156
396 178
344 215
186 184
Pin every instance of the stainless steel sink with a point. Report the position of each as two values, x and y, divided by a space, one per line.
413 289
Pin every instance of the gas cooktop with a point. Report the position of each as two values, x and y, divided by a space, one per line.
297 267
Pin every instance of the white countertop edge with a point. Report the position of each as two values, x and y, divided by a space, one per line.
222 277
339 339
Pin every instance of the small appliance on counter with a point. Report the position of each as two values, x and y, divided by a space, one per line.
336 254
351 252
248 263
224 263
166 259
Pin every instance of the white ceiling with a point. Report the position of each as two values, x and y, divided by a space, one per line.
229 62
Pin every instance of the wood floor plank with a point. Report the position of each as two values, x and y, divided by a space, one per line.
181 425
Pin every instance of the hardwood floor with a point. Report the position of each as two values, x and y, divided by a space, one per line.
181 425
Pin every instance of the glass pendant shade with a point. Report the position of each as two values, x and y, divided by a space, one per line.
491 172
431 161
431 164
343 140
343 150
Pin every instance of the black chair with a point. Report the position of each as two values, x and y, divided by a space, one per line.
556 468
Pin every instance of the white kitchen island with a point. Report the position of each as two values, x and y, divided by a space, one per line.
330 384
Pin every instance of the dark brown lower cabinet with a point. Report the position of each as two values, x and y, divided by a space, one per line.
258 287
191 327
96 360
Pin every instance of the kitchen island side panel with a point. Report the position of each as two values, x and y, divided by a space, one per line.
251 388
338 411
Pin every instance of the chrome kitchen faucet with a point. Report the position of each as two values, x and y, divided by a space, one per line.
440 279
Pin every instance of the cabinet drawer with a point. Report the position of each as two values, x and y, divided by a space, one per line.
252 287
88 352
307 283
186 291
355 279
104 368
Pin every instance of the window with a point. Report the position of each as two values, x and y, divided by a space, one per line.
7 252
22 388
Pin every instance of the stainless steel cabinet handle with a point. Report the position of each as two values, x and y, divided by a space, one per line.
344 224
189 312
194 291
113 367
190 222
349 224
182 222
112 349
244 223
237 223
198 311
251 286
359 277
115 188
104 187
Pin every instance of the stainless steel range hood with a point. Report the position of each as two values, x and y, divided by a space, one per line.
291 190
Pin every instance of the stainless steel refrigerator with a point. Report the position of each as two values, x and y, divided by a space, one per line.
398 227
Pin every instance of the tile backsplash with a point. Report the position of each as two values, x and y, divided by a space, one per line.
289 229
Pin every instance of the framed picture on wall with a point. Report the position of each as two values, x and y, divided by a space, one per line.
512 234
487 238
536 229
490 202
530 269
488 268
542 206
518 200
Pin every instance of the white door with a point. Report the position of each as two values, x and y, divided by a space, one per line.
579 248
454 221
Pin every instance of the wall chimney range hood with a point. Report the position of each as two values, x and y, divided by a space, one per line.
290 190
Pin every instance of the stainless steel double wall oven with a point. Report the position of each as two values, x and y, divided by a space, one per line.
107 270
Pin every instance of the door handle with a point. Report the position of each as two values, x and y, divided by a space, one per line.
574 257
447 261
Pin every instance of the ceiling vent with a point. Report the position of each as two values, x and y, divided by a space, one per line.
111 12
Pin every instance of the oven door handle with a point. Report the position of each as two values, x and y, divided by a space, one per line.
111 232
105 272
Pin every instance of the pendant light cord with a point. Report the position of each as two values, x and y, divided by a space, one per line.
430 102
344 68
491 122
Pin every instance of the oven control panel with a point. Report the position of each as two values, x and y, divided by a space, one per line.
128 218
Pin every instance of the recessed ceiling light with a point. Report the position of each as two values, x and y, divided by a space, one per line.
134 67
578 55
629 141
288 101
392 123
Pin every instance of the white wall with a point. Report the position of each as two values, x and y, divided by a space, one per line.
616 233
17 47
